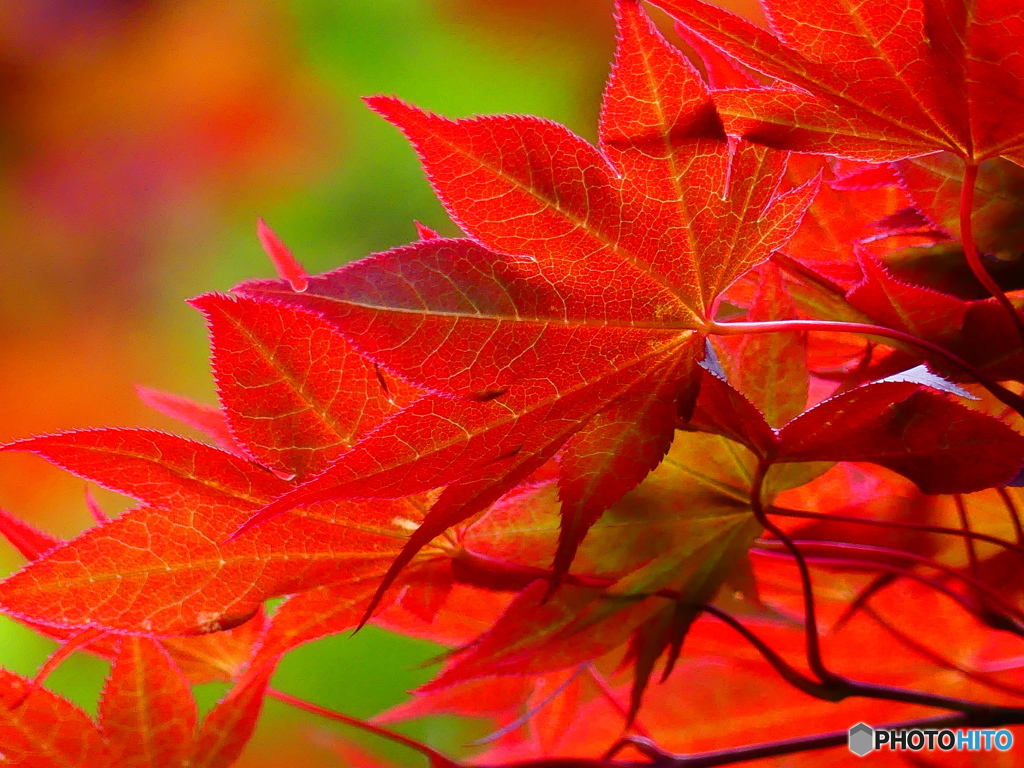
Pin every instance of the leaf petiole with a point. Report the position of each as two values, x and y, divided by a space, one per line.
1001 393
971 250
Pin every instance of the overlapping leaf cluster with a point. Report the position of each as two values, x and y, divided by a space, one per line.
682 403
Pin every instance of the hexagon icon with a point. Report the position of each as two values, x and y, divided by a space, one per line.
862 739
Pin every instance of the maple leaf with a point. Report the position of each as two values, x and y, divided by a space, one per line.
470 608
146 711
573 316
923 77
925 313
557 400
294 392
567 713
207 419
218 656
147 716
43 729
202 658
27 539
933 182
770 369
229 725
728 681
903 425
940 445
874 80
683 531
128 573
840 217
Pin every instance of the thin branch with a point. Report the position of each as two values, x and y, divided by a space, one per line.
876 586
788 673
965 524
835 688
659 758
1001 393
982 589
437 760
971 250
924 527
814 659
843 688
864 566
662 759
1014 515
978 611
891 693
937 658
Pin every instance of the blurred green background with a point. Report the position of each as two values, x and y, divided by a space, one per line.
139 141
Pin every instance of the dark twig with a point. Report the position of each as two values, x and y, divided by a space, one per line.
923 527
813 642
965 525
980 612
866 551
937 658
971 250
1011 507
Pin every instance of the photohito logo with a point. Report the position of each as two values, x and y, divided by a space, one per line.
864 739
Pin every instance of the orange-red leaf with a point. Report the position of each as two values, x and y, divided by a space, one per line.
295 392
770 369
31 542
939 444
874 80
934 183
207 419
229 725
589 276
895 304
44 730
166 569
147 713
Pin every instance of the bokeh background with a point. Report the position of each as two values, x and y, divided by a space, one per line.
139 141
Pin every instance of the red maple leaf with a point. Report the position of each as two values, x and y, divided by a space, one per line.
572 318
878 81
625 426
875 80
128 573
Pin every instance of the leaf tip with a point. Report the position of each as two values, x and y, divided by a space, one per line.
97 512
426 233
286 264
399 113
27 539
387 106
248 525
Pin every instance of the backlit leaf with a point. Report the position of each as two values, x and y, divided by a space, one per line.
874 80
146 712
229 725
45 730
128 573
294 391
922 434
590 274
